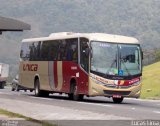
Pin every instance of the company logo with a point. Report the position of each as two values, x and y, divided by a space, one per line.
102 80
30 67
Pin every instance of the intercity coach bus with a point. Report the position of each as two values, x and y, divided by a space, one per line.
78 64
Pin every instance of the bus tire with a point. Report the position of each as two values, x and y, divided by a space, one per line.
37 90
73 95
117 100
76 96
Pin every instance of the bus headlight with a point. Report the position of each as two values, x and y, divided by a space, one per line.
136 83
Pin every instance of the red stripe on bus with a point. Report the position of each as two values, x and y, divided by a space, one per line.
55 74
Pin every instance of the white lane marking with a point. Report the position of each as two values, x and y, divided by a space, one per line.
147 100
133 108
46 98
42 98
49 99
95 104
158 112
6 93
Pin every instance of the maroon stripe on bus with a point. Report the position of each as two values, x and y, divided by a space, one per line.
55 74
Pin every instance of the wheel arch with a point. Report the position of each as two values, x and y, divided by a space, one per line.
73 83
36 77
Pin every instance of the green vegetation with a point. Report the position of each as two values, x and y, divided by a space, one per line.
157 55
16 115
151 81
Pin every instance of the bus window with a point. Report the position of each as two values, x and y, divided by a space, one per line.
30 51
34 51
44 51
53 50
62 50
71 51
84 53
49 50
38 51
24 54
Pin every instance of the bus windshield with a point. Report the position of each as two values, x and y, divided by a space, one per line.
115 59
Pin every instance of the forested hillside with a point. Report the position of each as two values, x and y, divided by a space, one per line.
137 18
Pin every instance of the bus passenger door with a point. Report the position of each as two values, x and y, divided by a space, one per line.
84 63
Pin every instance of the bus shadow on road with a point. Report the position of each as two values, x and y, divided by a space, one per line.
86 99
99 100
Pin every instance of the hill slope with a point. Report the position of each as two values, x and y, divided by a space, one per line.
151 81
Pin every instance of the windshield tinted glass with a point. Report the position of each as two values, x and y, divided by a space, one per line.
115 59
129 60
104 58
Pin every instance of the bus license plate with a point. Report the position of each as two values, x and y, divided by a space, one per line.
117 96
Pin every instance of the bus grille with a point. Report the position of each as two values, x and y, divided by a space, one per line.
115 86
117 92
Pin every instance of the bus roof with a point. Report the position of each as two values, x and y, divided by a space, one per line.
91 36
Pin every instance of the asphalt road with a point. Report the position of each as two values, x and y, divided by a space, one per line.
91 111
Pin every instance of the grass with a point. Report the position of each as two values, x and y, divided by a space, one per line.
16 115
151 81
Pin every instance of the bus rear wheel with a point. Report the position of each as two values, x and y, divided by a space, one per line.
38 92
117 100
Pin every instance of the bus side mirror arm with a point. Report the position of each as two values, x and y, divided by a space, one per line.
142 54
90 52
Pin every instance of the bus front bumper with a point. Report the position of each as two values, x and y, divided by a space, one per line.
133 91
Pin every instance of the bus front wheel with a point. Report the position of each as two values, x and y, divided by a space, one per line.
73 95
76 96
117 100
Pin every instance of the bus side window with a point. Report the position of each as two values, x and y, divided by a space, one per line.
43 51
25 52
71 51
84 54
60 50
38 51
53 50
35 51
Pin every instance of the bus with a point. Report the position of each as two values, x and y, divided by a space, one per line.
82 64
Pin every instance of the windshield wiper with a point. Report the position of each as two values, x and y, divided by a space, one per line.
114 61
122 61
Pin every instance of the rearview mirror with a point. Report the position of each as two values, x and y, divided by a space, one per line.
142 54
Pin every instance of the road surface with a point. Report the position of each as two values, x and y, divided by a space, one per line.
95 109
